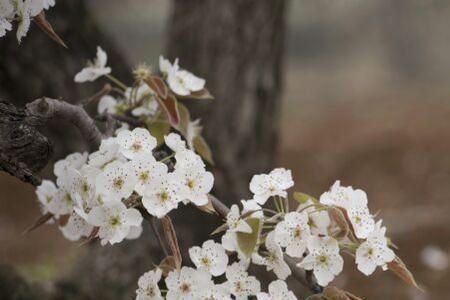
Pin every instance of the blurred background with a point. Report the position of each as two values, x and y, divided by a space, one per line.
365 99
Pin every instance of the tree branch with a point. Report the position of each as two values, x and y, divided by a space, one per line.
41 110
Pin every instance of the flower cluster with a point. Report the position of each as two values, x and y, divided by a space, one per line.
102 189
21 11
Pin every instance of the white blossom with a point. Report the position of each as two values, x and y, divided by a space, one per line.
211 257
146 169
293 233
188 159
273 259
240 284
94 69
234 221
46 193
62 203
275 183
161 196
215 292
108 152
116 181
148 105
318 221
435 258
374 251
76 227
186 284
107 104
72 161
323 258
278 290
135 142
135 232
355 203
195 184
180 81
148 286
115 221
5 26
252 206
174 142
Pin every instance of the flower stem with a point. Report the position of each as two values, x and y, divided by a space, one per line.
116 81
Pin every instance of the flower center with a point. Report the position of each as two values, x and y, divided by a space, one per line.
191 183
185 287
136 146
238 286
164 196
273 256
151 291
115 221
322 259
297 233
49 199
205 261
85 187
144 176
68 198
370 252
118 182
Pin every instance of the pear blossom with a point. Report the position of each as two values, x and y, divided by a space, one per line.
187 283
193 130
355 203
195 184
278 290
148 105
188 159
234 221
62 203
318 221
72 161
76 227
48 3
135 142
161 196
5 26
108 104
46 193
148 286
174 142
211 257
135 232
374 251
215 292
146 169
252 206
115 221
293 233
323 258
275 183
116 181
273 259
94 69
240 283
180 81
108 152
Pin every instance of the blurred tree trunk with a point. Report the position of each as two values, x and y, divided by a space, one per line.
238 47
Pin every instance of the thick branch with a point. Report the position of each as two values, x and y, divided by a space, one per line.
44 109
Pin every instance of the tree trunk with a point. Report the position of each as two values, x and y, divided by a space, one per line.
237 46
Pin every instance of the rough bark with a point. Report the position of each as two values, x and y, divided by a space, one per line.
237 46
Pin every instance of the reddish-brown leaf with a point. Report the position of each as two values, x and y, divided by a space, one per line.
167 265
338 216
158 86
39 222
47 28
399 268
170 106
172 241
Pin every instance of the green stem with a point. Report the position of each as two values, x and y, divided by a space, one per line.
116 81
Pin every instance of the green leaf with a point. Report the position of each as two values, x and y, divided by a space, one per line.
203 149
302 198
158 129
247 241
185 118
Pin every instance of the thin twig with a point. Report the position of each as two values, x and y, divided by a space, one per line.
158 236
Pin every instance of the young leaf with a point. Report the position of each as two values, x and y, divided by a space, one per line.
247 241
185 118
302 198
170 106
338 216
203 94
158 129
172 241
399 268
208 208
158 86
47 28
203 149
219 229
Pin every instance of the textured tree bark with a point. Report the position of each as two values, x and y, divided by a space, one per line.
238 47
